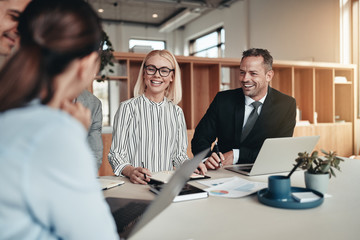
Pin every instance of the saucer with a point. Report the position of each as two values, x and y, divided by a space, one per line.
290 203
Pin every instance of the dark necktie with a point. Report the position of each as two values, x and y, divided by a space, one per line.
251 120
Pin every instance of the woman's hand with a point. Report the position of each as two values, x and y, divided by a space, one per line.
79 112
201 169
137 175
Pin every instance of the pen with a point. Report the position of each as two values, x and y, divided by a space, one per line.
216 148
295 167
142 165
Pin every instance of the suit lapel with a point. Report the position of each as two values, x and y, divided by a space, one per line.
265 108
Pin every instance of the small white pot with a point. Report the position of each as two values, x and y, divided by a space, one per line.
317 182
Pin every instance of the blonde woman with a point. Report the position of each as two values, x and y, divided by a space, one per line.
149 130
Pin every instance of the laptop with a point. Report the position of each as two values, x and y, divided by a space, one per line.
277 155
133 214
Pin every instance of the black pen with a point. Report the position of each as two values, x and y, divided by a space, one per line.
142 164
216 148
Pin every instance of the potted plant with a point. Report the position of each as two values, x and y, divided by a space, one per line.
319 169
106 58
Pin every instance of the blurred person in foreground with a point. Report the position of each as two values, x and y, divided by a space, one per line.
47 176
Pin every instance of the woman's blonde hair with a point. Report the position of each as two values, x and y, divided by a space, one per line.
174 91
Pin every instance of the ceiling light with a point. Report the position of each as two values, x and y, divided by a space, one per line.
100 10
155 15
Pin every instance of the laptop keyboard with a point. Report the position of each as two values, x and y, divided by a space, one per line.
128 215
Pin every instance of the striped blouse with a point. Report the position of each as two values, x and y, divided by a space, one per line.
150 133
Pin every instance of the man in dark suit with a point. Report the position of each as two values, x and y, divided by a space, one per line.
230 110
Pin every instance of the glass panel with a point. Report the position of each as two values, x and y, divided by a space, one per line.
225 79
154 44
222 35
101 91
211 52
206 41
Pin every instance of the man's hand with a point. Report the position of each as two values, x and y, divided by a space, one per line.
215 162
229 158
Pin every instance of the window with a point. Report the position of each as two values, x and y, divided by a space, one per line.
209 45
138 45
101 91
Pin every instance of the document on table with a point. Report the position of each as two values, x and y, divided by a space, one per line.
233 187
109 183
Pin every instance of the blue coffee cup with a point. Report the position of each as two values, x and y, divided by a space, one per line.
279 188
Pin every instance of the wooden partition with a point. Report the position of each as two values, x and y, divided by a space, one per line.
327 106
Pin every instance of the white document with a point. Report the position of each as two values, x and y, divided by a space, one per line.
109 183
234 187
215 182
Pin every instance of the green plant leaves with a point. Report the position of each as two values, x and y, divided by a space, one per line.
316 164
106 58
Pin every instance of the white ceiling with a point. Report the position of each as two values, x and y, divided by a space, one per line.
141 11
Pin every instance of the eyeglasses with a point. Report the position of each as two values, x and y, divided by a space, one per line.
163 71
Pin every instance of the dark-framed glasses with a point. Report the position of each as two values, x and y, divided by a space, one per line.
163 71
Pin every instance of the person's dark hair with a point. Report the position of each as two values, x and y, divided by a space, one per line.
256 52
52 34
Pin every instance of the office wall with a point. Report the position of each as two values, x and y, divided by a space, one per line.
233 19
297 30
120 34
290 29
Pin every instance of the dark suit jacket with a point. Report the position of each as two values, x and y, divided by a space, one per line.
224 120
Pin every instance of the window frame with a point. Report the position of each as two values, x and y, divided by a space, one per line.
220 44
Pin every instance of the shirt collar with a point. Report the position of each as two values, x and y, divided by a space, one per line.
154 103
249 100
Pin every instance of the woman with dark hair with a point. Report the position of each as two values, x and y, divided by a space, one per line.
48 179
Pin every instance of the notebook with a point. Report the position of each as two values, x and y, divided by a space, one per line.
277 155
140 212
188 192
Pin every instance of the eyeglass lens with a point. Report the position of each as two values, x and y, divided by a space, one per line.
163 71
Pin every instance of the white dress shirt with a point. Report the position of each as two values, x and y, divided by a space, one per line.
248 109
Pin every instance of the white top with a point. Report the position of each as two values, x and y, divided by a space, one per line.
150 133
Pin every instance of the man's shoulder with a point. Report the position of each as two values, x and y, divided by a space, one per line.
279 95
229 94
87 98
282 99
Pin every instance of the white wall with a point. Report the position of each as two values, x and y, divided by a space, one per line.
120 34
296 30
233 19
289 29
